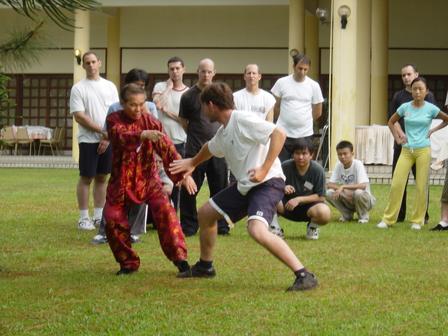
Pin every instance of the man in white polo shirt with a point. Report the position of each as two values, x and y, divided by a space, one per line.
298 102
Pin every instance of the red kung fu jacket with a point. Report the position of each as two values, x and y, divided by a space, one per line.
134 168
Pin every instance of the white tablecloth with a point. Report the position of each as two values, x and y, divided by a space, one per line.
36 132
374 144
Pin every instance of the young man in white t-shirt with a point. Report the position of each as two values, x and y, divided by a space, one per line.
348 189
167 96
250 146
90 99
298 102
252 98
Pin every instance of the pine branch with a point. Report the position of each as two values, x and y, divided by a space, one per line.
22 49
56 10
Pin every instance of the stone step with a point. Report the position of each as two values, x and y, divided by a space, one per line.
34 161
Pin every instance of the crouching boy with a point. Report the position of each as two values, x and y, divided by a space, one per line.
348 189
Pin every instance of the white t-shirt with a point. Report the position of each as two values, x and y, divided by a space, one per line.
93 98
173 129
297 98
355 174
244 143
260 103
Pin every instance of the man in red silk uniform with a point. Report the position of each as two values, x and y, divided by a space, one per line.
136 137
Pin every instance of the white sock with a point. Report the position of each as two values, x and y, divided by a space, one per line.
84 213
443 223
274 223
314 225
97 213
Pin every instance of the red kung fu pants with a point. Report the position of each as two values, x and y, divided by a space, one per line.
170 232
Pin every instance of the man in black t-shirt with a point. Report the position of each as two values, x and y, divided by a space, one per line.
304 199
199 131
408 74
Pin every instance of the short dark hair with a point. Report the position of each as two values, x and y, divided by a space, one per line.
413 66
90 52
220 94
419 79
129 90
300 58
135 75
175 59
344 144
302 144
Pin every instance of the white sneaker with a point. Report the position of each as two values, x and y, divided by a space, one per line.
99 239
416 226
86 224
96 222
135 239
382 225
312 233
437 165
363 221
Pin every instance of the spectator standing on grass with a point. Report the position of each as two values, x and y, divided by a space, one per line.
199 130
252 98
89 100
408 74
167 96
416 149
443 224
348 189
298 102
251 147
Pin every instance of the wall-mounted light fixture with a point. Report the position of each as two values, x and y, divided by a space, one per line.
322 15
344 12
77 54
293 52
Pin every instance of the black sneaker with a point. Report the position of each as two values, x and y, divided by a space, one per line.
126 271
305 280
439 227
184 274
197 271
184 269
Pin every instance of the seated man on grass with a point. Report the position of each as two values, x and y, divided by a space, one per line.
304 199
348 189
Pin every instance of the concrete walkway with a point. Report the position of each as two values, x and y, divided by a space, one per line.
34 161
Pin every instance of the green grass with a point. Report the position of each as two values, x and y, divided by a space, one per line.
54 282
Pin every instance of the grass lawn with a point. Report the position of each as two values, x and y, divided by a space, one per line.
54 282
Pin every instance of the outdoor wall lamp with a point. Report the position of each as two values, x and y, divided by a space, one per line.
77 54
293 52
344 12
322 15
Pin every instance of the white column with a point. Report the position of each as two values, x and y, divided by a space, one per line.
81 42
363 43
296 28
113 48
379 65
344 78
312 44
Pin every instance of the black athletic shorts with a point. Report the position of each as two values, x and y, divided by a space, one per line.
92 164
